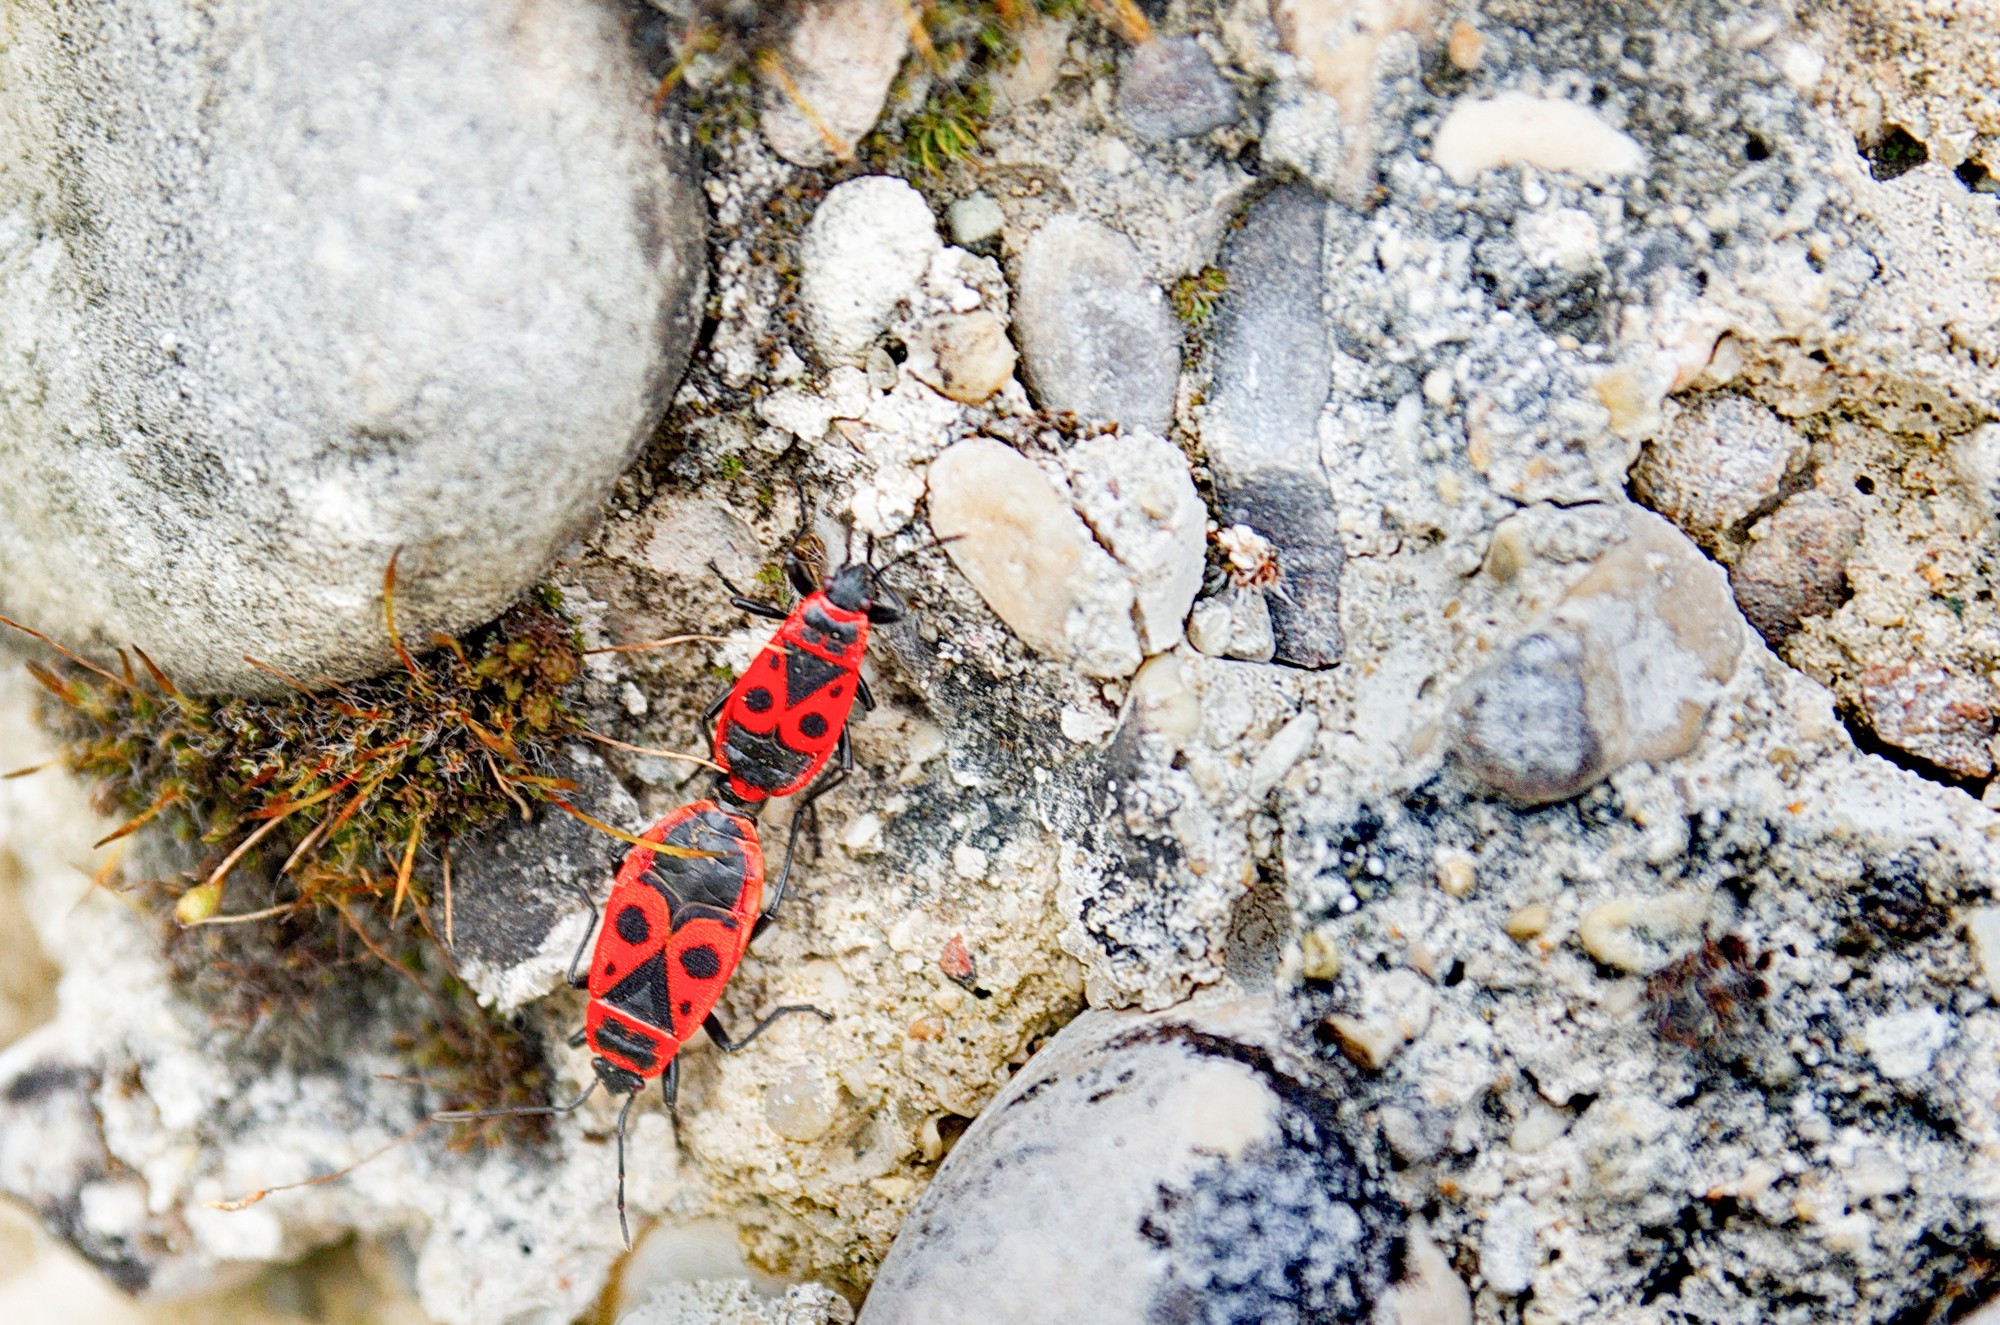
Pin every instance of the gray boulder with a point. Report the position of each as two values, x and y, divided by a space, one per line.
284 288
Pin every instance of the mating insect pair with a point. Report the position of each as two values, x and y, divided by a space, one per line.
682 913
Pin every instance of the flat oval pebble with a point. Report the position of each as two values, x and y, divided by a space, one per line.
1031 558
1096 337
380 277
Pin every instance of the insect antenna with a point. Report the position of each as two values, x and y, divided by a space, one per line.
921 547
624 1230
525 1111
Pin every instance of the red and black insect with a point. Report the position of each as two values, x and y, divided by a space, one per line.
786 717
679 920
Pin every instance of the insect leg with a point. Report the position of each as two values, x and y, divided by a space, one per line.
844 764
863 694
623 1229
576 1040
576 981
750 605
721 1040
670 1090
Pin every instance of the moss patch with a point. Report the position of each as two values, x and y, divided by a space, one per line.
311 875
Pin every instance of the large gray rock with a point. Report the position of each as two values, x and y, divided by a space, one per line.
283 288
1143 1168
1096 337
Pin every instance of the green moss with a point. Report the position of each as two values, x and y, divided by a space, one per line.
946 127
1194 296
332 814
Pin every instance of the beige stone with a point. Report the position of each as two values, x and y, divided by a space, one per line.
1032 558
965 356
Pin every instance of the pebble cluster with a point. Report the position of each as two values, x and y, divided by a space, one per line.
1443 774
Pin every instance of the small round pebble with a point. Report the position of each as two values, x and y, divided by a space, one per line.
1796 567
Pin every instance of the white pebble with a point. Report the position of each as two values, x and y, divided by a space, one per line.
1546 132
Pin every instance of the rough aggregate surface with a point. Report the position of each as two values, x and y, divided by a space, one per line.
1503 697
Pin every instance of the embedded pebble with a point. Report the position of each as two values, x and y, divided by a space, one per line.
1456 871
1269 341
1281 752
1032 558
841 56
1626 669
1522 727
1217 1189
1429 1293
1660 635
797 1104
1507 1246
1549 133
1562 239
1171 89
1319 955
1982 930
975 219
1720 463
1095 333
1166 703
349 278
1796 565
1905 1044
865 251
965 356
1931 712
1528 922
1642 934
1135 492
1235 623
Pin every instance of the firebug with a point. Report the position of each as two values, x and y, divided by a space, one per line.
679 918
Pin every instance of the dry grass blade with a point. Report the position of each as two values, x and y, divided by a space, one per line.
55 685
403 870
389 620
31 768
644 645
657 848
602 739
168 797
772 66
242 849
268 913
159 677
245 1202
76 658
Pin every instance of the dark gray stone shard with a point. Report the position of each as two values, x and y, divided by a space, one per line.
1295 511
1273 372
1272 365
